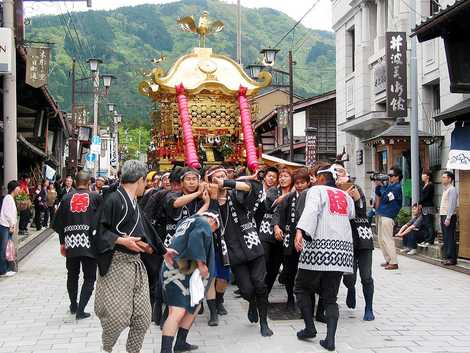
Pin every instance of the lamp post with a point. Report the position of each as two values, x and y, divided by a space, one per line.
94 63
269 58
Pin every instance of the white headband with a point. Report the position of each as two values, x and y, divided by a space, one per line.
221 169
331 170
190 172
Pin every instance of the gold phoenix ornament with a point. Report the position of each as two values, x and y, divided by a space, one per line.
203 29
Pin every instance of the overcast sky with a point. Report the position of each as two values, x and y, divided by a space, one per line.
319 18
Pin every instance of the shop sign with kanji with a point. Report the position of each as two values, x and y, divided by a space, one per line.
396 74
37 66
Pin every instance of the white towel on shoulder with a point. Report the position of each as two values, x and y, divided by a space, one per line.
196 288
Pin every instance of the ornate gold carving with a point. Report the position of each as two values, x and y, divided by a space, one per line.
203 29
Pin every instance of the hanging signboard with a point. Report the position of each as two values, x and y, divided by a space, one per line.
459 154
6 50
396 74
37 66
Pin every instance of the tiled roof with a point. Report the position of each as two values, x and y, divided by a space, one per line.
429 28
399 130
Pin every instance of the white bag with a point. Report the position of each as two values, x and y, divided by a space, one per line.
196 288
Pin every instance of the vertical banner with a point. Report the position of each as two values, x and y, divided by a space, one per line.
37 66
397 105
310 150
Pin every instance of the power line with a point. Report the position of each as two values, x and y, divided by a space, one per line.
297 23
76 34
82 29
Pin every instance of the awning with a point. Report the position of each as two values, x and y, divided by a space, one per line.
271 161
399 130
458 112
367 125
31 147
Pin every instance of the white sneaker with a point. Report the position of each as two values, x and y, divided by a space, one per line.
425 245
411 252
405 250
10 274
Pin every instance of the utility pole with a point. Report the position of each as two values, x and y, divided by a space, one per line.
414 138
96 100
291 107
239 32
10 152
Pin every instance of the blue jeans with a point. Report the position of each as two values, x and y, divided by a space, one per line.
4 236
412 239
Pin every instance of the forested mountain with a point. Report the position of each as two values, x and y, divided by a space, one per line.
128 38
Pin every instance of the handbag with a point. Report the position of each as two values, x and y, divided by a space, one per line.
10 252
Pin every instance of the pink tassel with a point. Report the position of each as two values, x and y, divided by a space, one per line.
248 137
190 154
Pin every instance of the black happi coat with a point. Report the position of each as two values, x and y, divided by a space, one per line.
239 225
266 232
118 217
75 221
154 209
175 215
286 217
361 229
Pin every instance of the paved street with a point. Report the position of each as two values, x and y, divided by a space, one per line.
421 308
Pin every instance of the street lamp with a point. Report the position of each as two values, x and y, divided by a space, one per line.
107 80
111 107
269 56
94 63
254 70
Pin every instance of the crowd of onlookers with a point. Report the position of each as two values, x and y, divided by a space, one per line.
36 204
419 231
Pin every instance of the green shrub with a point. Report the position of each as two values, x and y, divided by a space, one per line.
403 217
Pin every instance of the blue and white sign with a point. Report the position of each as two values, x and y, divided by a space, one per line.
96 140
90 157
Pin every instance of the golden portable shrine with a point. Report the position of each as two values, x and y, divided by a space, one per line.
204 116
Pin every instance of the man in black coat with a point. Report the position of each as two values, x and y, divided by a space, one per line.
75 222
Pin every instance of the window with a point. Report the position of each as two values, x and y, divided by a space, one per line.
436 100
350 50
383 161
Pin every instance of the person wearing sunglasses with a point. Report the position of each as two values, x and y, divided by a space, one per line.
390 201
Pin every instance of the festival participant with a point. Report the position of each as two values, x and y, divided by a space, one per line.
215 294
187 202
323 232
75 223
285 223
269 231
122 292
363 245
166 183
155 211
193 199
270 178
194 261
238 202
312 171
